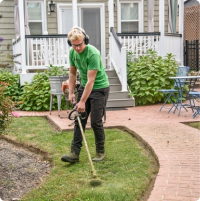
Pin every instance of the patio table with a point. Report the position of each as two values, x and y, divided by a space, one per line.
191 80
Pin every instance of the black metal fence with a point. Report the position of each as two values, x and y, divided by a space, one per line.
192 54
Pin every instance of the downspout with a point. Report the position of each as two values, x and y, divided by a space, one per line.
22 36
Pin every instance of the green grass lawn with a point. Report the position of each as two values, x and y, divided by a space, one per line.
194 125
126 171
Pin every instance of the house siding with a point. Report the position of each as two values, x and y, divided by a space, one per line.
7 30
156 16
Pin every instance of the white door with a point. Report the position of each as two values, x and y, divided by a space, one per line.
90 21
90 18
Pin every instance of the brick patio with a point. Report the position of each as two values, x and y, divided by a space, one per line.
176 145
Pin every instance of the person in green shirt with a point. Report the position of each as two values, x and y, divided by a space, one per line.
92 93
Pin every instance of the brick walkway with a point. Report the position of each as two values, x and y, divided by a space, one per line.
176 145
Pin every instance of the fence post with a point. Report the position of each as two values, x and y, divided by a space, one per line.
197 55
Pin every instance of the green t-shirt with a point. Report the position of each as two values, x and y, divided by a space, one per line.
89 59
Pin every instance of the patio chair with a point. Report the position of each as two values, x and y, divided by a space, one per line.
169 93
195 95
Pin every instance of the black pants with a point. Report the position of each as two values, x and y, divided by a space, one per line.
95 106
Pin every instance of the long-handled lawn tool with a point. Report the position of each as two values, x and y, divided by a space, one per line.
95 181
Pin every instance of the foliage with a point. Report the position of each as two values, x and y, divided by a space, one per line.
36 95
13 89
56 70
6 107
125 172
149 73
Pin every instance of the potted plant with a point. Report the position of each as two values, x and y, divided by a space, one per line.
57 74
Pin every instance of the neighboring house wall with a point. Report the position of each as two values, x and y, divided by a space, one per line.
7 30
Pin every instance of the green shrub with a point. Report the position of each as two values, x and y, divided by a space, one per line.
6 107
36 95
147 74
13 88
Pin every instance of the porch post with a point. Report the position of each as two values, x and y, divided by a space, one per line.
22 36
75 14
162 26
111 24
181 28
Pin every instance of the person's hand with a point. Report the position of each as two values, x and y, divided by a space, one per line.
72 98
80 106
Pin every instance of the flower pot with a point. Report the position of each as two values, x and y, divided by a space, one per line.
56 89
56 84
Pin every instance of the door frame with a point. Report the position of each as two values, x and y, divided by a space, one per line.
61 6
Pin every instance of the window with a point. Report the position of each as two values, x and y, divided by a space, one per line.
35 17
130 16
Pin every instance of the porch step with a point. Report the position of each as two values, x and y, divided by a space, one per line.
115 87
128 102
113 80
117 98
118 95
111 73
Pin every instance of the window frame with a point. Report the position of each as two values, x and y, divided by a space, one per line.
140 14
43 13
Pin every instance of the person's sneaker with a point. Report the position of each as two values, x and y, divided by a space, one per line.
99 157
71 158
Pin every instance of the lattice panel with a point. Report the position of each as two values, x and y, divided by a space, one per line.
192 23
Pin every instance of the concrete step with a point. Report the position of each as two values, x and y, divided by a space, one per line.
113 80
128 102
111 73
119 95
115 87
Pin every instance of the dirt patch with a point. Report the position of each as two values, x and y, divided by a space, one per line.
20 171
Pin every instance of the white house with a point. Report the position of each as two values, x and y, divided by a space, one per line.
114 27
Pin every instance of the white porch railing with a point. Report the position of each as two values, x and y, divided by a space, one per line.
140 43
118 59
43 50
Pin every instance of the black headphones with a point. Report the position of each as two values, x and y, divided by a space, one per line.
86 39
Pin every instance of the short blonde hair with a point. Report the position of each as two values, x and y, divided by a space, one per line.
76 33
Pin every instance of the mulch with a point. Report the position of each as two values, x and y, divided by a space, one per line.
20 171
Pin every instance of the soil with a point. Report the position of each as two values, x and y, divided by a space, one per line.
21 170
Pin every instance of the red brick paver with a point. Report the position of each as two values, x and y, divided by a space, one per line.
176 145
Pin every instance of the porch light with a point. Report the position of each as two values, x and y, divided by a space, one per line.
51 7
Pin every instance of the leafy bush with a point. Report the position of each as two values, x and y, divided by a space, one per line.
149 73
36 95
6 107
13 88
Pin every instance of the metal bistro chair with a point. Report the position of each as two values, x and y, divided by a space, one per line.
195 95
169 93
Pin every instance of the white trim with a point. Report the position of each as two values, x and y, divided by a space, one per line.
140 14
61 6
